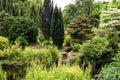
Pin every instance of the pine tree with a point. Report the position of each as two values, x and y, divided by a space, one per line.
46 18
57 28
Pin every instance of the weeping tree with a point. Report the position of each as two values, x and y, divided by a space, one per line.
30 8
46 18
6 5
13 7
57 27
34 9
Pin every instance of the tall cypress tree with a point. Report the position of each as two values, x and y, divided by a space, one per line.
57 27
46 18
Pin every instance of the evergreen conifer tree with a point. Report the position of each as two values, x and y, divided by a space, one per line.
57 28
46 18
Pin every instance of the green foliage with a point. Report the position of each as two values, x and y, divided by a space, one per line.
76 47
22 41
2 75
57 28
68 41
86 8
4 43
95 14
38 72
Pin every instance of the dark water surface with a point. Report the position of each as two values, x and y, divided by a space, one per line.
15 71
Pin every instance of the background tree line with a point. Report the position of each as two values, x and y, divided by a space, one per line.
26 17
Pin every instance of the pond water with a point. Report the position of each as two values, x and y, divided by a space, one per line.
15 71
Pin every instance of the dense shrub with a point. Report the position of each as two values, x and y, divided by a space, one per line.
13 27
96 52
37 72
24 27
2 75
94 49
4 42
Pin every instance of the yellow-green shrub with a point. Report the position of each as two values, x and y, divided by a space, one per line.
37 72
46 56
12 52
4 42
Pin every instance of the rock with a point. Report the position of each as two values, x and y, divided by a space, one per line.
67 48
68 57
72 56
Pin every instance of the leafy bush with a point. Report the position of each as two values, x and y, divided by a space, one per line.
2 75
12 52
15 26
22 41
24 27
4 42
76 47
37 72
96 52
68 41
